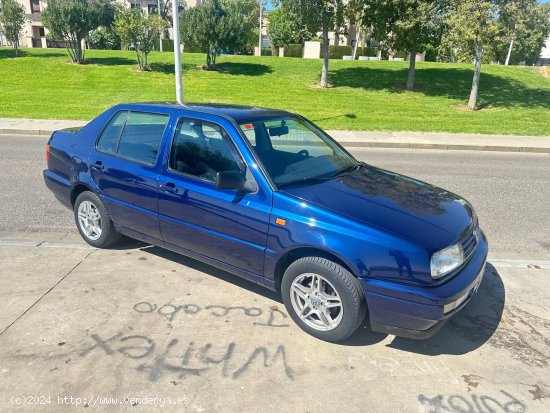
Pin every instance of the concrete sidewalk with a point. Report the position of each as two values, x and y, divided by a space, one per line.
136 328
352 139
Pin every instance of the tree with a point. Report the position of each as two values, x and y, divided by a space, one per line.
286 27
204 26
140 30
472 26
241 24
407 25
324 16
523 27
105 37
12 18
72 20
217 25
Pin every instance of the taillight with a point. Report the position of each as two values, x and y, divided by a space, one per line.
47 152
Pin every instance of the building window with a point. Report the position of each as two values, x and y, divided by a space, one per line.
41 32
152 9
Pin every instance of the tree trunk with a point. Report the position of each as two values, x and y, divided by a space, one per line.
357 37
138 56
472 104
509 53
412 66
324 73
16 47
78 50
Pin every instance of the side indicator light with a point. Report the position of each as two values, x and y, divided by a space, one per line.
47 152
280 221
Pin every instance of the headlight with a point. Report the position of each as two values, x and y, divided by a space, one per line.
446 260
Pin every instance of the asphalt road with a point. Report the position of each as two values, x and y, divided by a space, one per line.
511 192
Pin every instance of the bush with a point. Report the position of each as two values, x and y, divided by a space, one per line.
105 39
367 51
193 49
400 55
267 52
337 52
294 50
167 45
431 54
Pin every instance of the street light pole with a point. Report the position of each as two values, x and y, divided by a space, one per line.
260 34
160 38
177 52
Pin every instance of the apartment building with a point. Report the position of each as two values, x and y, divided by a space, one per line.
34 33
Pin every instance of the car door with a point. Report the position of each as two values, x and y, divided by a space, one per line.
124 165
226 225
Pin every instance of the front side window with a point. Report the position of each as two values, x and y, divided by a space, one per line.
294 151
203 149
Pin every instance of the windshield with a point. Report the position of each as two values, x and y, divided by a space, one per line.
293 151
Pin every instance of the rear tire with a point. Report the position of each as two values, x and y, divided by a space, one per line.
323 298
93 221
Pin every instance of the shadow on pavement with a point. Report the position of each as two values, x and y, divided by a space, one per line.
212 271
466 331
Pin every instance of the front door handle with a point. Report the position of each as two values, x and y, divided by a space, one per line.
169 187
98 166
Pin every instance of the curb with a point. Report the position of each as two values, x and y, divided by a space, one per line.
358 144
25 132
444 146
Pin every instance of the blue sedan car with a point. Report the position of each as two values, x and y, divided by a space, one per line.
267 195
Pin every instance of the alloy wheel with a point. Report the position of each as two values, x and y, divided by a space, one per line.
316 302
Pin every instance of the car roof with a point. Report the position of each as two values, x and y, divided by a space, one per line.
236 112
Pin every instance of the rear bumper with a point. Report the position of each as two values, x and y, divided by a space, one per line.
418 312
60 187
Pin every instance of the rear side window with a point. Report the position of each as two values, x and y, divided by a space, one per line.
134 135
141 136
109 138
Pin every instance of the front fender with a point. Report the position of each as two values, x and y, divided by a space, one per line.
368 252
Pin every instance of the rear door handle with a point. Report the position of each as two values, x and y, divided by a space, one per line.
169 187
98 166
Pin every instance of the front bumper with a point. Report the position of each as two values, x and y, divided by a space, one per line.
418 312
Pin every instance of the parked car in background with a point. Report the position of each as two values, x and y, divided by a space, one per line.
267 195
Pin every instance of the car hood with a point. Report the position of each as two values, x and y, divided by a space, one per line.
408 208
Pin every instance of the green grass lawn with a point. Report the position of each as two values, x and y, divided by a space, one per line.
513 100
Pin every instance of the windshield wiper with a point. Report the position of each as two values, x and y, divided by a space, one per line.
348 169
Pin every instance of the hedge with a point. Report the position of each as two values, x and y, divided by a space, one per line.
167 45
294 50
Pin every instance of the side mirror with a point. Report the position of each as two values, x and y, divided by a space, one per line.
230 180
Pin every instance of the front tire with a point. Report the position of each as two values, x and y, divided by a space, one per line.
323 298
93 221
